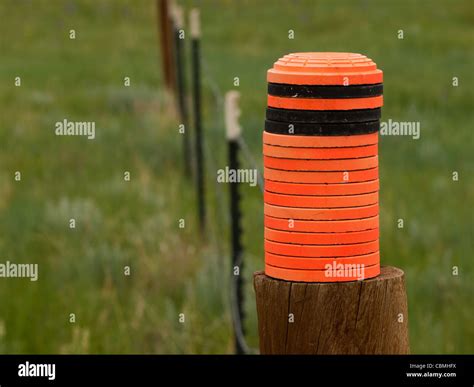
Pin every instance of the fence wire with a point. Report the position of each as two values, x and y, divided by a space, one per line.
221 209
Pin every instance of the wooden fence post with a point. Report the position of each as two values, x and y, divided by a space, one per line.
360 317
166 43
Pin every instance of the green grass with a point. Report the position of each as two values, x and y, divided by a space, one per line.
135 223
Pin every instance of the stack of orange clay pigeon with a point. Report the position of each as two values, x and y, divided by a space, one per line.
320 152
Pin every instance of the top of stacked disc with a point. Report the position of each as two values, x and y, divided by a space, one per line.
325 68
324 89
321 167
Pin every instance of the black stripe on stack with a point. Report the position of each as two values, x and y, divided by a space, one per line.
325 91
318 129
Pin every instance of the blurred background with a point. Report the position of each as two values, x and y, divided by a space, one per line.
135 223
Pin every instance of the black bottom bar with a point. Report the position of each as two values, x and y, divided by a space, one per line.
453 370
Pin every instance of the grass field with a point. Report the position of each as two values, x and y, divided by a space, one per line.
135 223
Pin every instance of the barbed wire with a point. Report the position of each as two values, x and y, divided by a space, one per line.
218 97
251 161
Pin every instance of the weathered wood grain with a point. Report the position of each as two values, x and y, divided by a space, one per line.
360 317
